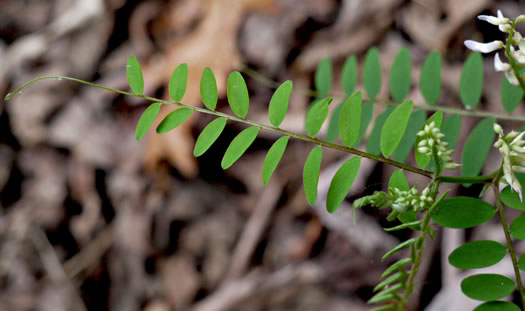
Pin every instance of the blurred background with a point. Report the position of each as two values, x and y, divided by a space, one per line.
91 219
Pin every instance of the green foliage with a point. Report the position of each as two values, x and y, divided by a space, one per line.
487 287
497 306
451 127
279 103
372 73
178 82
416 121
398 180
372 145
471 82
146 120
477 254
512 199
311 170
394 128
349 75
273 157
237 93
462 212
323 78
399 81
208 89
208 136
238 146
333 127
316 116
341 183
477 147
350 119
173 119
517 227
367 113
511 96
134 75
430 78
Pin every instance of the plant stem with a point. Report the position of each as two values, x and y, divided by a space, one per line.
471 113
513 63
509 244
468 179
237 119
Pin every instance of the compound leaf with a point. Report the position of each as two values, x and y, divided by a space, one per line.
173 119
178 82
399 81
311 170
394 128
372 73
323 78
208 136
208 88
462 212
430 78
273 157
477 147
279 103
341 183
238 146
471 81
350 119
487 287
477 254
146 120
134 75
349 75
316 116
237 93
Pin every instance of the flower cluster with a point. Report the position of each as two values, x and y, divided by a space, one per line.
512 148
401 201
505 25
431 139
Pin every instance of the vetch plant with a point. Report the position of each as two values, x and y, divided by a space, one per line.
401 129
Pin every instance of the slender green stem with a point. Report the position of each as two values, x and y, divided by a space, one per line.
513 62
510 247
471 113
468 180
248 122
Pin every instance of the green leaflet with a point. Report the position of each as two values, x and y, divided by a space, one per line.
477 147
208 136
487 287
416 121
273 157
399 80
367 113
350 119
134 75
388 307
398 180
174 119
511 96
349 75
396 266
497 306
372 73
238 146
323 78
462 212
372 145
341 183
208 87
421 159
477 254
146 120
393 278
237 93
471 82
399 247
451 127
512 199
430 78
279 103
394 128
333 127
311 170
316 116
517 227
178 81
521 262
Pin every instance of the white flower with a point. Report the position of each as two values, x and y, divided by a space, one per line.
500 20
484 47
499 65
512 148
520 19
431 139
511 77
